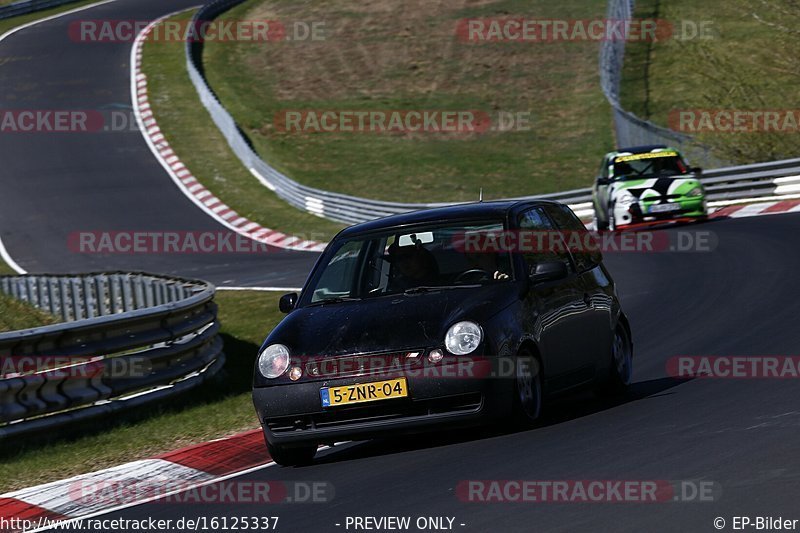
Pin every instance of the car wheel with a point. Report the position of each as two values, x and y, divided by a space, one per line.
612 221
527 390
621 370
295 456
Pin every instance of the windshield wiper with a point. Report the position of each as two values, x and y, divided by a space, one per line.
334 300
428 288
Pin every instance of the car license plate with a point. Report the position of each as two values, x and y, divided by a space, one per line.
664 208
364 392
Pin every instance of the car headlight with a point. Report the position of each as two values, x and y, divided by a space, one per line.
463 338
696 192
626 199
273 360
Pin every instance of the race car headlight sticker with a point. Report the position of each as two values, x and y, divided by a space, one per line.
627 199
463 338
696 192
273 360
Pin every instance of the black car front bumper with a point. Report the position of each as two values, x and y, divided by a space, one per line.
293 414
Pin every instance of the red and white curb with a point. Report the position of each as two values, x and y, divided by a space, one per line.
183 177
739 210
187 468
751 207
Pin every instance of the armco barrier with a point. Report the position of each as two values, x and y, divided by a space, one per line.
127 339
631 130
760 180
30 6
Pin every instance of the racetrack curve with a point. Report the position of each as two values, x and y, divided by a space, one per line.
740 299
57 184
743 435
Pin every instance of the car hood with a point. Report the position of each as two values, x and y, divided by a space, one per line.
388 323
655 188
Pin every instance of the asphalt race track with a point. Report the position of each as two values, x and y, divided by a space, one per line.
743 435
739 300
56 184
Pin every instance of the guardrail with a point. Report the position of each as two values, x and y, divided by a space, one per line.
763 179
630 129
127 339
30 6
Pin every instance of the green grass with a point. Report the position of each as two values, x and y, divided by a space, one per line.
194 137
15 315
747 64
402 56
216 409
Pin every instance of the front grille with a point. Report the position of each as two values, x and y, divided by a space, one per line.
388 410
662 198
323 368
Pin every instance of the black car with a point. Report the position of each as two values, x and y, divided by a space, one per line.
435 318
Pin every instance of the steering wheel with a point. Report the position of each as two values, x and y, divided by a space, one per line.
477 273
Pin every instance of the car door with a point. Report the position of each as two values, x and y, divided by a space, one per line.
595 285
556 308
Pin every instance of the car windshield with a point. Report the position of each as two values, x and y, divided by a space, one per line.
414 260
647 165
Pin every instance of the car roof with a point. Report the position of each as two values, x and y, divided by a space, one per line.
477 210
641 150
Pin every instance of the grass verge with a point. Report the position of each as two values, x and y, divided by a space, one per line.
218 408
371 62
751 60
197 141
15 315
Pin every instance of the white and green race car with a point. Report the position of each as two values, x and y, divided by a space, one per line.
646 183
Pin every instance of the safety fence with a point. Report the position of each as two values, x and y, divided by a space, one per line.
127 339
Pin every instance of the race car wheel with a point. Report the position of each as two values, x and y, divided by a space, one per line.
527 390
612 221
295 456
621 367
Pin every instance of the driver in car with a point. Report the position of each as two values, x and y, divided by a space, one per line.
488 263
414 266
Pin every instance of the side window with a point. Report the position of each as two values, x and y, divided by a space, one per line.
338 276
584 248
547 246
603 172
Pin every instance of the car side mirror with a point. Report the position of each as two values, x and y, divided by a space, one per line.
603 181
287 302
696 170
550 271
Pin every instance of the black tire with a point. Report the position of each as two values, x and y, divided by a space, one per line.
598 225
621 368
294 456
612 220
528 393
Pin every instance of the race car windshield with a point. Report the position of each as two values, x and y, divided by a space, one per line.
648 165
400 261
